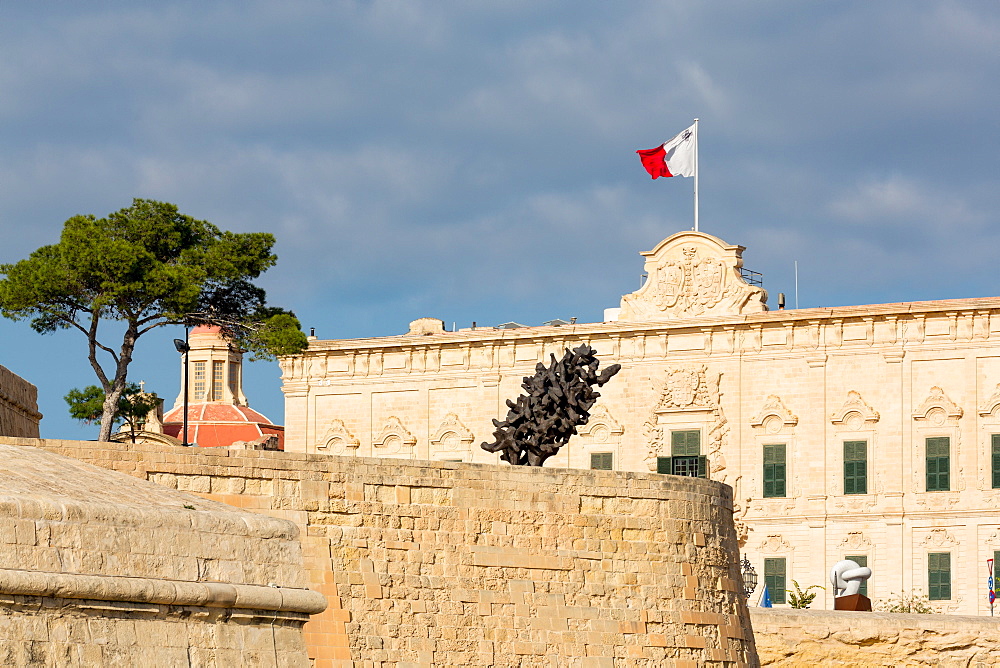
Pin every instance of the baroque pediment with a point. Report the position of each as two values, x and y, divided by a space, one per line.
692 274
937 408
338 439
393 436
991 405
855 413
773 415
601 425
452 434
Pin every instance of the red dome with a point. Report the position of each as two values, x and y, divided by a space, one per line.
213 425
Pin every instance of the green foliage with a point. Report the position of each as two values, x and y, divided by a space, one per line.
906 602
802 598
147 266
87 405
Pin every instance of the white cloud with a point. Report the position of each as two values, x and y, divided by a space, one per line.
902 201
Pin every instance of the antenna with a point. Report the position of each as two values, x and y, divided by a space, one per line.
796 284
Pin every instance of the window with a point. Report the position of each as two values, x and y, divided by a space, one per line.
855 467
602 461
860 560
939 576
234 375
199 381
938 463
685 443
774 471
996 461
774 579
218 373
686 458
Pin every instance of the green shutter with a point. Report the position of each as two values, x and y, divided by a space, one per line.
774 470
855 467
685 443
939 576
774 578
996 461
860 560
601 461
664 465
938 463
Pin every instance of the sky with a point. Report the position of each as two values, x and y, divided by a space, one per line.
475 161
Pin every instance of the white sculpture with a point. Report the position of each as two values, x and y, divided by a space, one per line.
846 577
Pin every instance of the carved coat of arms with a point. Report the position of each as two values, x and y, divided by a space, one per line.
692 274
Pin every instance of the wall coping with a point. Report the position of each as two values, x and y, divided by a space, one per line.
165 592
847 619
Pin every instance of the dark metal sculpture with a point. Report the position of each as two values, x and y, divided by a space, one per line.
558 400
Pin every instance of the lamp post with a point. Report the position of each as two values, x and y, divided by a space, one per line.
183 348
749 577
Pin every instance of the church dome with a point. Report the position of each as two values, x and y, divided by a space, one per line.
218 414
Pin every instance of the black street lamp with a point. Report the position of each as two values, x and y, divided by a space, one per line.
749 577
183 348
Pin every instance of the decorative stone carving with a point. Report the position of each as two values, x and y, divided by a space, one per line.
689 390
452 434
939 537
692 274
990 406
393 437
855 414
338 440
855 540
937 408
774 543
602 425
773 416
685 388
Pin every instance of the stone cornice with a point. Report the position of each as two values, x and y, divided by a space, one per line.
164 592
902 311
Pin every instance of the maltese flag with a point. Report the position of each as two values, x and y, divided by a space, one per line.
676 157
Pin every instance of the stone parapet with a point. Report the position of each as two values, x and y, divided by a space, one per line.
111 570
19 414
828 638
449 564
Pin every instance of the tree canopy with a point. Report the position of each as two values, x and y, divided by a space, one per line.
134 405
146 266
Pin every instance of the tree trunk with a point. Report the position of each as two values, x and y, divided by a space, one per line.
114 393
108 416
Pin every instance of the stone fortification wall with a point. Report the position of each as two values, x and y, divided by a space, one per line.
827 638
99 568
19 414
436 563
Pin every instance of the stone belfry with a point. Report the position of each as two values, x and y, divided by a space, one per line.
218 411
215 374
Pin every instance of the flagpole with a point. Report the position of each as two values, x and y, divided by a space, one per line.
696 175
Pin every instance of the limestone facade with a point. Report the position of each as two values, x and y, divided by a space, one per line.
19 414
851 431
101 569
448 564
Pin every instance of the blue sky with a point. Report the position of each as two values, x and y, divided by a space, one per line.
475 161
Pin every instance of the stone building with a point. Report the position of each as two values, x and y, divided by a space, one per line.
870 432
19 414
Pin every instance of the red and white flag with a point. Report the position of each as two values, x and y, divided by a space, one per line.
677 156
